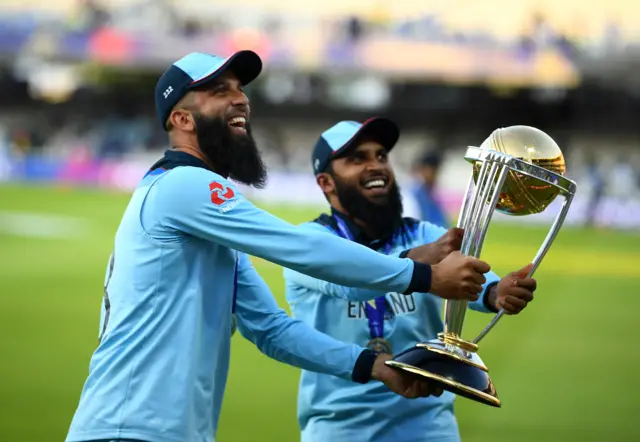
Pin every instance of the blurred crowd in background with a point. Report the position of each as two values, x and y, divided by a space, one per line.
77 79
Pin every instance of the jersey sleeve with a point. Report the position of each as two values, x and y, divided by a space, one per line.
283 338
480 304
429 233
294 278
300 280
202 204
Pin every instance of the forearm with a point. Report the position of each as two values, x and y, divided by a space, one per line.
329 258
298 281
293 342
281 337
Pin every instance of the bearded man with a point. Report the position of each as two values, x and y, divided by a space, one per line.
351 164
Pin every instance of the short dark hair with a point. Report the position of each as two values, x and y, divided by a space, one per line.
329 171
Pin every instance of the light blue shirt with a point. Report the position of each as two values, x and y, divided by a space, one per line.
179 261
332 409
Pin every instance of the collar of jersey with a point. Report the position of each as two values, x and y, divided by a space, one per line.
175 158
357 234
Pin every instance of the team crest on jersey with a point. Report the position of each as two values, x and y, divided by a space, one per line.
220 193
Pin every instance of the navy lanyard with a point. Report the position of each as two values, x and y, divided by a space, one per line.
375 315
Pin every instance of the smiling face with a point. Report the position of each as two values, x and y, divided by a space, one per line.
366 168
217 115
224 98
361 183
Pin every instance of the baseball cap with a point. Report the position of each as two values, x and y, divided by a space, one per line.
337 139
197 68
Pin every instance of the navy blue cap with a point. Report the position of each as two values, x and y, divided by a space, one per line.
338 138
197 68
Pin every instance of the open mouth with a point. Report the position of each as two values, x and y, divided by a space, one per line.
376 185
238 124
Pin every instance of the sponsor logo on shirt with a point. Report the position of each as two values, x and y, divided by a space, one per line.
220 193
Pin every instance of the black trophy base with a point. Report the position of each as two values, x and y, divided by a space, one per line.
453 369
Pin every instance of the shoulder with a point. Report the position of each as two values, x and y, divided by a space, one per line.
323 223
185 179
422 230
185 188
410 227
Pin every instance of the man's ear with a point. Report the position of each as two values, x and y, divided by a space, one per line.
182 119
326 183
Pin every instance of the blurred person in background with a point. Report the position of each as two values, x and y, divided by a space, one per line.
598 187
180 274
426 172
351 164
5 154
623 180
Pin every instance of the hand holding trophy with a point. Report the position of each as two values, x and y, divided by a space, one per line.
519 171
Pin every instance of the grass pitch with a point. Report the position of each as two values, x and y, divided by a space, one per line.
565 368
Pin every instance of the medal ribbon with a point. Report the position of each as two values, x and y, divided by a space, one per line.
375 315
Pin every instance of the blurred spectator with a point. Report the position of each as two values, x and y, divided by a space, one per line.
623 180
355 29
426 171
596 178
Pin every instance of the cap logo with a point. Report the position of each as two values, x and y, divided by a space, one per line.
316 164
167 92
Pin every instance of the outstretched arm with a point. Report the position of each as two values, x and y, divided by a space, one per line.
287 340
328 288
205 205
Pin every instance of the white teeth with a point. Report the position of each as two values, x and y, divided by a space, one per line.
238 121
374 183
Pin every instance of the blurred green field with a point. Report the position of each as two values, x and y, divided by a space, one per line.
564 369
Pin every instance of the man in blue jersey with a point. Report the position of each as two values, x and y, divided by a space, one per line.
180 271
352 168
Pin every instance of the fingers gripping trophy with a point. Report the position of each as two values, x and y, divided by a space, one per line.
518 171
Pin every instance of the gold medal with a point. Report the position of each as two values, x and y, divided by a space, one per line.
380 345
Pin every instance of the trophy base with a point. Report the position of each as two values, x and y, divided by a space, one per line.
453 365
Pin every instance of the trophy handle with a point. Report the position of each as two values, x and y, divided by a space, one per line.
546 245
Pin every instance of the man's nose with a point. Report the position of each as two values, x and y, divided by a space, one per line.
375 165
240 99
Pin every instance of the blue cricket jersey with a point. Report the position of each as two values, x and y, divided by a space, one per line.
332 409
177 272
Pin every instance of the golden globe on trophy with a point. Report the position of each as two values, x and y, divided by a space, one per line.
518 171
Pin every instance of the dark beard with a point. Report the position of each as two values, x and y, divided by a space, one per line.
383 218
233 156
